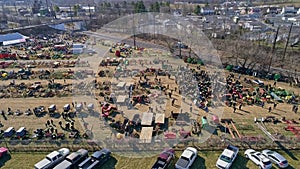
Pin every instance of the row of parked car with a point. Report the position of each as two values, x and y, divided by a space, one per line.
62 159
262 159
258 73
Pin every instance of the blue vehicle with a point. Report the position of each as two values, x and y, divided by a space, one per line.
96 160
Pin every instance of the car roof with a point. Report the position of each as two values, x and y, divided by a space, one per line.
228 153
73 155
53 154
187 153
99 153
278 156
82 151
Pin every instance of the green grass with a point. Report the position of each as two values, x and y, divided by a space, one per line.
205 160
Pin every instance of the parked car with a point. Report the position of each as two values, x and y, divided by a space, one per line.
164 159
259 159
276 158
52 159
73 159
96 160
3 152
187 158
227 157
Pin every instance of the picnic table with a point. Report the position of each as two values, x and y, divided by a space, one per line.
147 119
160 118
121 99
121 84
146 135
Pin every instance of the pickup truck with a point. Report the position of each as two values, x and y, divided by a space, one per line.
97 159
186 159
164 159
73 159
227 157
52 159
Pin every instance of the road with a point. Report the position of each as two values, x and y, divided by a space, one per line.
55 22
125 39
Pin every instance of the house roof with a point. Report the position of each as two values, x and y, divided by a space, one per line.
11 37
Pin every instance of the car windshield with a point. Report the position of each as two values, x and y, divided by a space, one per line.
270 152
225 158
284 162
267 162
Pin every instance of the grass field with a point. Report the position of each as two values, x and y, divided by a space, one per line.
204 160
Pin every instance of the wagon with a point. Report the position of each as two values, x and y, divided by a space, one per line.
52 108
90 107
67 107
9 132
21 132
79 107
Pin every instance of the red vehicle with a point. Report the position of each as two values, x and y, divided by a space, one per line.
3 151
164 159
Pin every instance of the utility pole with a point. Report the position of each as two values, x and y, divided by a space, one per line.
274 43
90 12
273 49
134 42
16 9
47 5
287 41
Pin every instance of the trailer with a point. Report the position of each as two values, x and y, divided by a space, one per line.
9 132
67 107
52 108
21 132
90 107
79 107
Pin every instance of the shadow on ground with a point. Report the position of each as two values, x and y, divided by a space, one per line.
199 163
286 150
110 164
4 159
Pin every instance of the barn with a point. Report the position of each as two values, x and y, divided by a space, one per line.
12 38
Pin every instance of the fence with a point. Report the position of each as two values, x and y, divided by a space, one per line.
212 144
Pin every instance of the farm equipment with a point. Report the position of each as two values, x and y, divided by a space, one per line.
52 109
141 99
39 111
294 130
9 132
21 132
235 131
90 107
67 107
79 107
261 125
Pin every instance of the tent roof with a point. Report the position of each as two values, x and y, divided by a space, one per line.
12 36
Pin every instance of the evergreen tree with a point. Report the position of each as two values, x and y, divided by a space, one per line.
197 10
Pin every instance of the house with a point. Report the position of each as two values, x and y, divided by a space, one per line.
288 10
254 11
207 11
253 25
273 10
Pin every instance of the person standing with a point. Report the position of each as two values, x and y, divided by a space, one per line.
240 107
275 105
173 101
270 109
